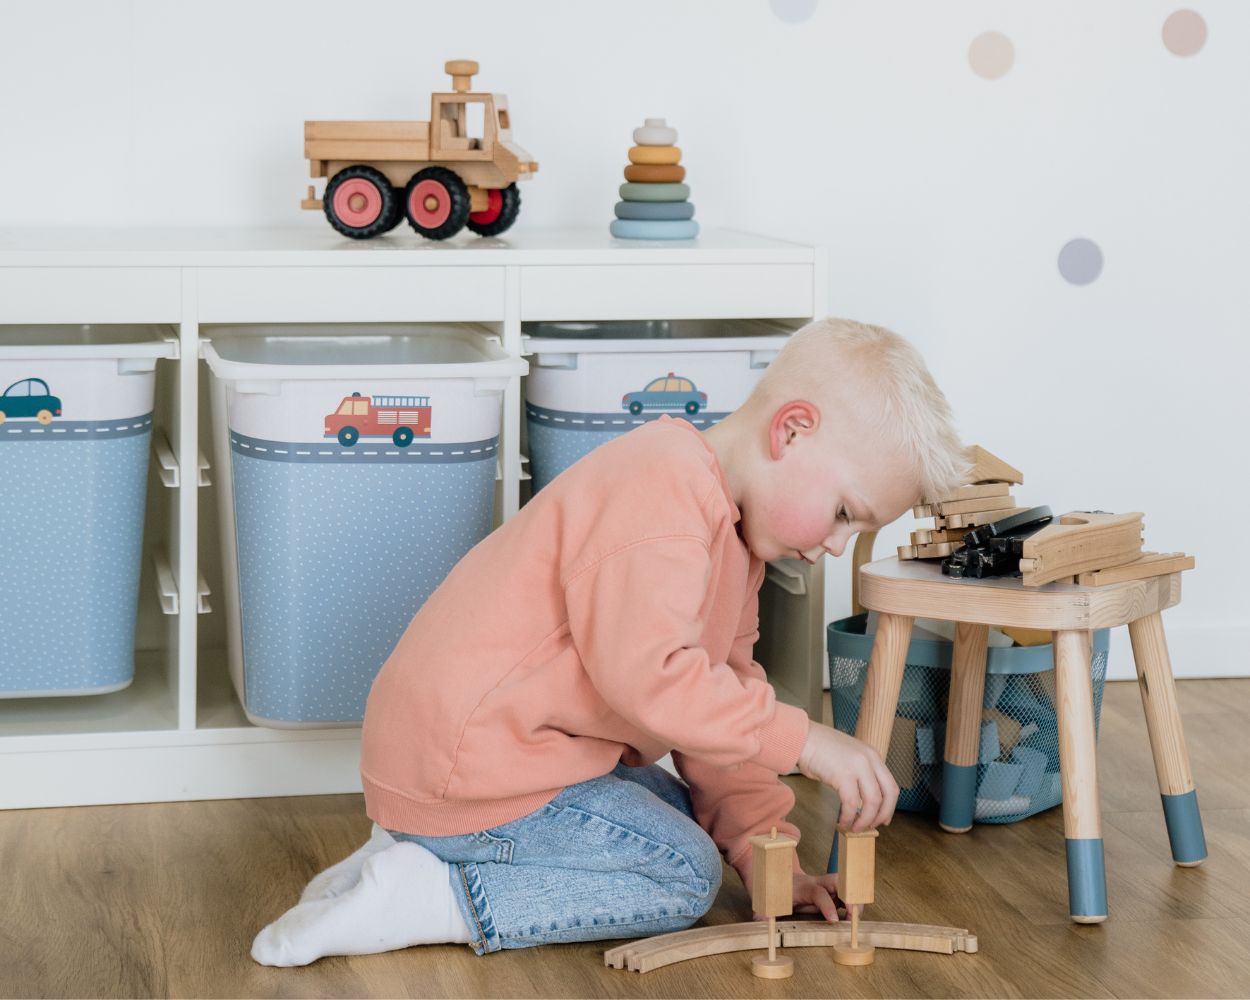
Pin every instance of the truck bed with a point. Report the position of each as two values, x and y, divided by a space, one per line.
364 141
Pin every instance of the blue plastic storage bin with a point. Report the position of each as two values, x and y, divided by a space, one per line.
361 469
1018 771
591 382
75 435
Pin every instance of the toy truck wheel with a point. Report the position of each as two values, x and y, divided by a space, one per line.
348 436
436 203
359 202
501 211
402 437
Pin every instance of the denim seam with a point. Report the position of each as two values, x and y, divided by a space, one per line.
481 934
679 912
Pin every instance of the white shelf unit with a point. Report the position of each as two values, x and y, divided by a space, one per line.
178 732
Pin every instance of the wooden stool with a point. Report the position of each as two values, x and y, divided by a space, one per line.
903 591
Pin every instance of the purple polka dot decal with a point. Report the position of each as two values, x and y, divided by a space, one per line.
991 55
1184 32
1080 261
793 11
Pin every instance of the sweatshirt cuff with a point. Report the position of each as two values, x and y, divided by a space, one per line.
782 738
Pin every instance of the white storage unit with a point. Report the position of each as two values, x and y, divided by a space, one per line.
179 731
357 467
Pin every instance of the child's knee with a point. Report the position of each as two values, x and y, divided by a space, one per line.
705 862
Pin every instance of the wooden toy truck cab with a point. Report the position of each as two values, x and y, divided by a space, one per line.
458 169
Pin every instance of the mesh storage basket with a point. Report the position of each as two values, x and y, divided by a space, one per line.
1018 764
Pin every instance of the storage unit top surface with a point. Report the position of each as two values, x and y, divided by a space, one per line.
320 246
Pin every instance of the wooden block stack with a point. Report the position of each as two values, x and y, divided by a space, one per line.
987 498
655 204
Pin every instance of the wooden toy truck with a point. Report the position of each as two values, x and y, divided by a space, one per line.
437 174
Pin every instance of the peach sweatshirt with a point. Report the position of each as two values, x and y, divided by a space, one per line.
612 619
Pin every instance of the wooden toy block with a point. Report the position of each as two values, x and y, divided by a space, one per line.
973 506
1081 541
1027 636
990 468
901 758
975 519
908 552
1008 730
936 550
1000 780
989 746
772 896
1150 564
973 491
1033 762
931 536
926 745
649 954
857 886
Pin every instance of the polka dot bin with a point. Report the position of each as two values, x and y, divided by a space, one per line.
362 469
75 435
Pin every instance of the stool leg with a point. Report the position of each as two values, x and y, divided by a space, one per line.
1082 820
963 728
879 701
1167 740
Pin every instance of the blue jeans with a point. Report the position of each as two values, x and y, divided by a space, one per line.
616 856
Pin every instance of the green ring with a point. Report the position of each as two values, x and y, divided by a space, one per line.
636 191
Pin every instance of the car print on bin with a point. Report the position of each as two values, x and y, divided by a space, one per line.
669 392
400 418
21 400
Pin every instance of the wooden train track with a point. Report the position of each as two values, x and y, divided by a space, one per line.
667 949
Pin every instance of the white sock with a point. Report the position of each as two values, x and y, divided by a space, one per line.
404 897
337 879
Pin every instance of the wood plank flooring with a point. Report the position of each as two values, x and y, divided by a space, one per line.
164 899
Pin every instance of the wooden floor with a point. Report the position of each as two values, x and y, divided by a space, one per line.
164 900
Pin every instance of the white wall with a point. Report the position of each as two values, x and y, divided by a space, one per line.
943 197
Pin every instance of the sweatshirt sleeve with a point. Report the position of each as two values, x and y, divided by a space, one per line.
735 804
635 619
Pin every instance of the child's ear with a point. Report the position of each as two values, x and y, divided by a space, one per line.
794 418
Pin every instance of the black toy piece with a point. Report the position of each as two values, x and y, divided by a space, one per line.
995 549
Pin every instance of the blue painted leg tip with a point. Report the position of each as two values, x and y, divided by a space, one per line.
1184 822
959 793
1087 881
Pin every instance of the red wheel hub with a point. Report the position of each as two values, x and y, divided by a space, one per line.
494 205
357 202
429 204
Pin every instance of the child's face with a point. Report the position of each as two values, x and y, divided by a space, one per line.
820 489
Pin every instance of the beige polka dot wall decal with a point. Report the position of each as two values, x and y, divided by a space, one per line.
1184 32
991 55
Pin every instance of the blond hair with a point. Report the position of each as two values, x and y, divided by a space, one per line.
828 360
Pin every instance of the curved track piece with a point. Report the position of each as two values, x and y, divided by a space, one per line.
666 949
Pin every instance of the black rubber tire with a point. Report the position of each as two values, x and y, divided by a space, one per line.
507 214
456 192
388 218
397 213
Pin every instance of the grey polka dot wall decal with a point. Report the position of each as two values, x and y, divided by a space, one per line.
1080 261
1184 32
793 11
991 55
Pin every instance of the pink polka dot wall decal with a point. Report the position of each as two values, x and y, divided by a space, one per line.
1080 261
1184 32
991 55
793 11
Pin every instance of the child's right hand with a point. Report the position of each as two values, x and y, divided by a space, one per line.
856 772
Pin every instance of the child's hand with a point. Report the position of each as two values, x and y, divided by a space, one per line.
856 772
814 893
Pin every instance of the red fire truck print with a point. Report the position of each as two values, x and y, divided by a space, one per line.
400 418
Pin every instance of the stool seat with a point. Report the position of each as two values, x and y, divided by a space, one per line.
901 591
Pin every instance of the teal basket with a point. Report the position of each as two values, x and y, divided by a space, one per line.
1018 769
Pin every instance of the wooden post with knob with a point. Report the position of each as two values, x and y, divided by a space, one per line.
856 883
772 896
462 72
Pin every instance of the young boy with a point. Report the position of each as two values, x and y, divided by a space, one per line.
509 741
